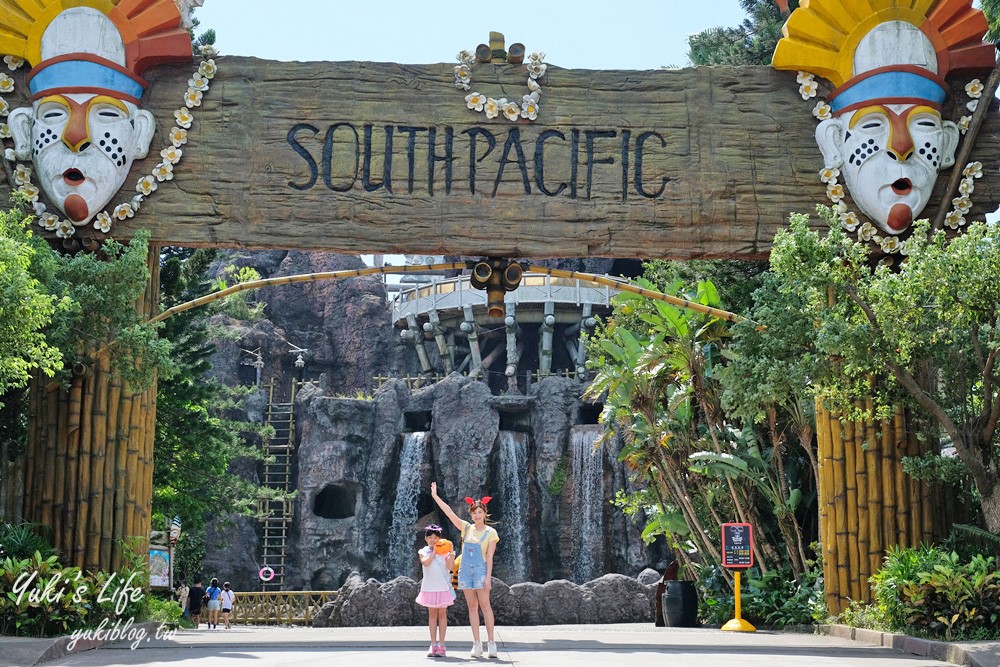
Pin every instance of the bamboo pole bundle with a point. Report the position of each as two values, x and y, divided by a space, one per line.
98 460
140 424
148 444
31 455
18 489
49 456
13 469
876 545
135 466
918 496
826 504
131 469
930 491
13 473
851 494
84 488
902 483
74 527
889 533
840 510
863 541
7 472
110 462
121 478
59 476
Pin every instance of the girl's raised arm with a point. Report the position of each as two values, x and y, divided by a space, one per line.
448 512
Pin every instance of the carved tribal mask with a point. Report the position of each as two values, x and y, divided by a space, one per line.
84 127
887 61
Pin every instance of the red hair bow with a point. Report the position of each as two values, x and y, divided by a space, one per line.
484 500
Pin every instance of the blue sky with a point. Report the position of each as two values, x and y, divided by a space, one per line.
642 34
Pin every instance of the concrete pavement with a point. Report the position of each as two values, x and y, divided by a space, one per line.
637 645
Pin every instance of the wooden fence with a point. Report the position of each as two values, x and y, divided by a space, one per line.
280 607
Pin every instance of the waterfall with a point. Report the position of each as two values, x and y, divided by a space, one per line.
512 494
402 534
588 502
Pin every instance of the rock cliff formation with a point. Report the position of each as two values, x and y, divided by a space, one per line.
366 454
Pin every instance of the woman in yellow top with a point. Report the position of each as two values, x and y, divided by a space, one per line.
479 541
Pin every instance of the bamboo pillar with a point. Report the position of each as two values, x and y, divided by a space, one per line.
867 503
99 443
88 467
851 494
873 470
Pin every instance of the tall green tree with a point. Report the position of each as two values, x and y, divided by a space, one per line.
196 437
750 43
659 369
991 8
926 333
26 306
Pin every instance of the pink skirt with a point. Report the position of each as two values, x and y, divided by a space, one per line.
436 599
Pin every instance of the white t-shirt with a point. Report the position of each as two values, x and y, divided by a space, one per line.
228 598
437 578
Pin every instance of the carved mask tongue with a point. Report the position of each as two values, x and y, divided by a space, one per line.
76 208
900 217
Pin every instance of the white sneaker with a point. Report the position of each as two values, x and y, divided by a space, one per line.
477 650
432 651
491 650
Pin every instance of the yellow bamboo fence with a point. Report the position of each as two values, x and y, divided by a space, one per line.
867 503
280 607
87 471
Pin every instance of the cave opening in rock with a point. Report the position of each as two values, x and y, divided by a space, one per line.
417 421
590 413
515 421
336 501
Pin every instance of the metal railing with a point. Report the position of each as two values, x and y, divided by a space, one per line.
280 607
417 381
534 288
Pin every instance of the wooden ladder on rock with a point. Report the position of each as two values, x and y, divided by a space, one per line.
276 515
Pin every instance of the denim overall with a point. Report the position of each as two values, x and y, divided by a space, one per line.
472 571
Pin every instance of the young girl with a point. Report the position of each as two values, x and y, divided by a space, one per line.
228 599
479 541
435 589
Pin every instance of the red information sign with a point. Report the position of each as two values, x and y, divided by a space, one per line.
737 545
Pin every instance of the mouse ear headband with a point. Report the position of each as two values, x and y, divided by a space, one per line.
484 500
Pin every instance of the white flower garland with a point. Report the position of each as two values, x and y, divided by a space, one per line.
145 186
867 232
512 110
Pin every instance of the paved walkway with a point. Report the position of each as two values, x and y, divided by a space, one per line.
554 646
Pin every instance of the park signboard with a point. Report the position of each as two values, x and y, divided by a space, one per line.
737 545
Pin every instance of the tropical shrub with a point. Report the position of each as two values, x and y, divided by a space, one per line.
900 567
776 599
55 610
22 540
955 599
931 592
772 598
167 611
39 597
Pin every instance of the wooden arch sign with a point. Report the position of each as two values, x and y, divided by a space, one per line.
362 157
